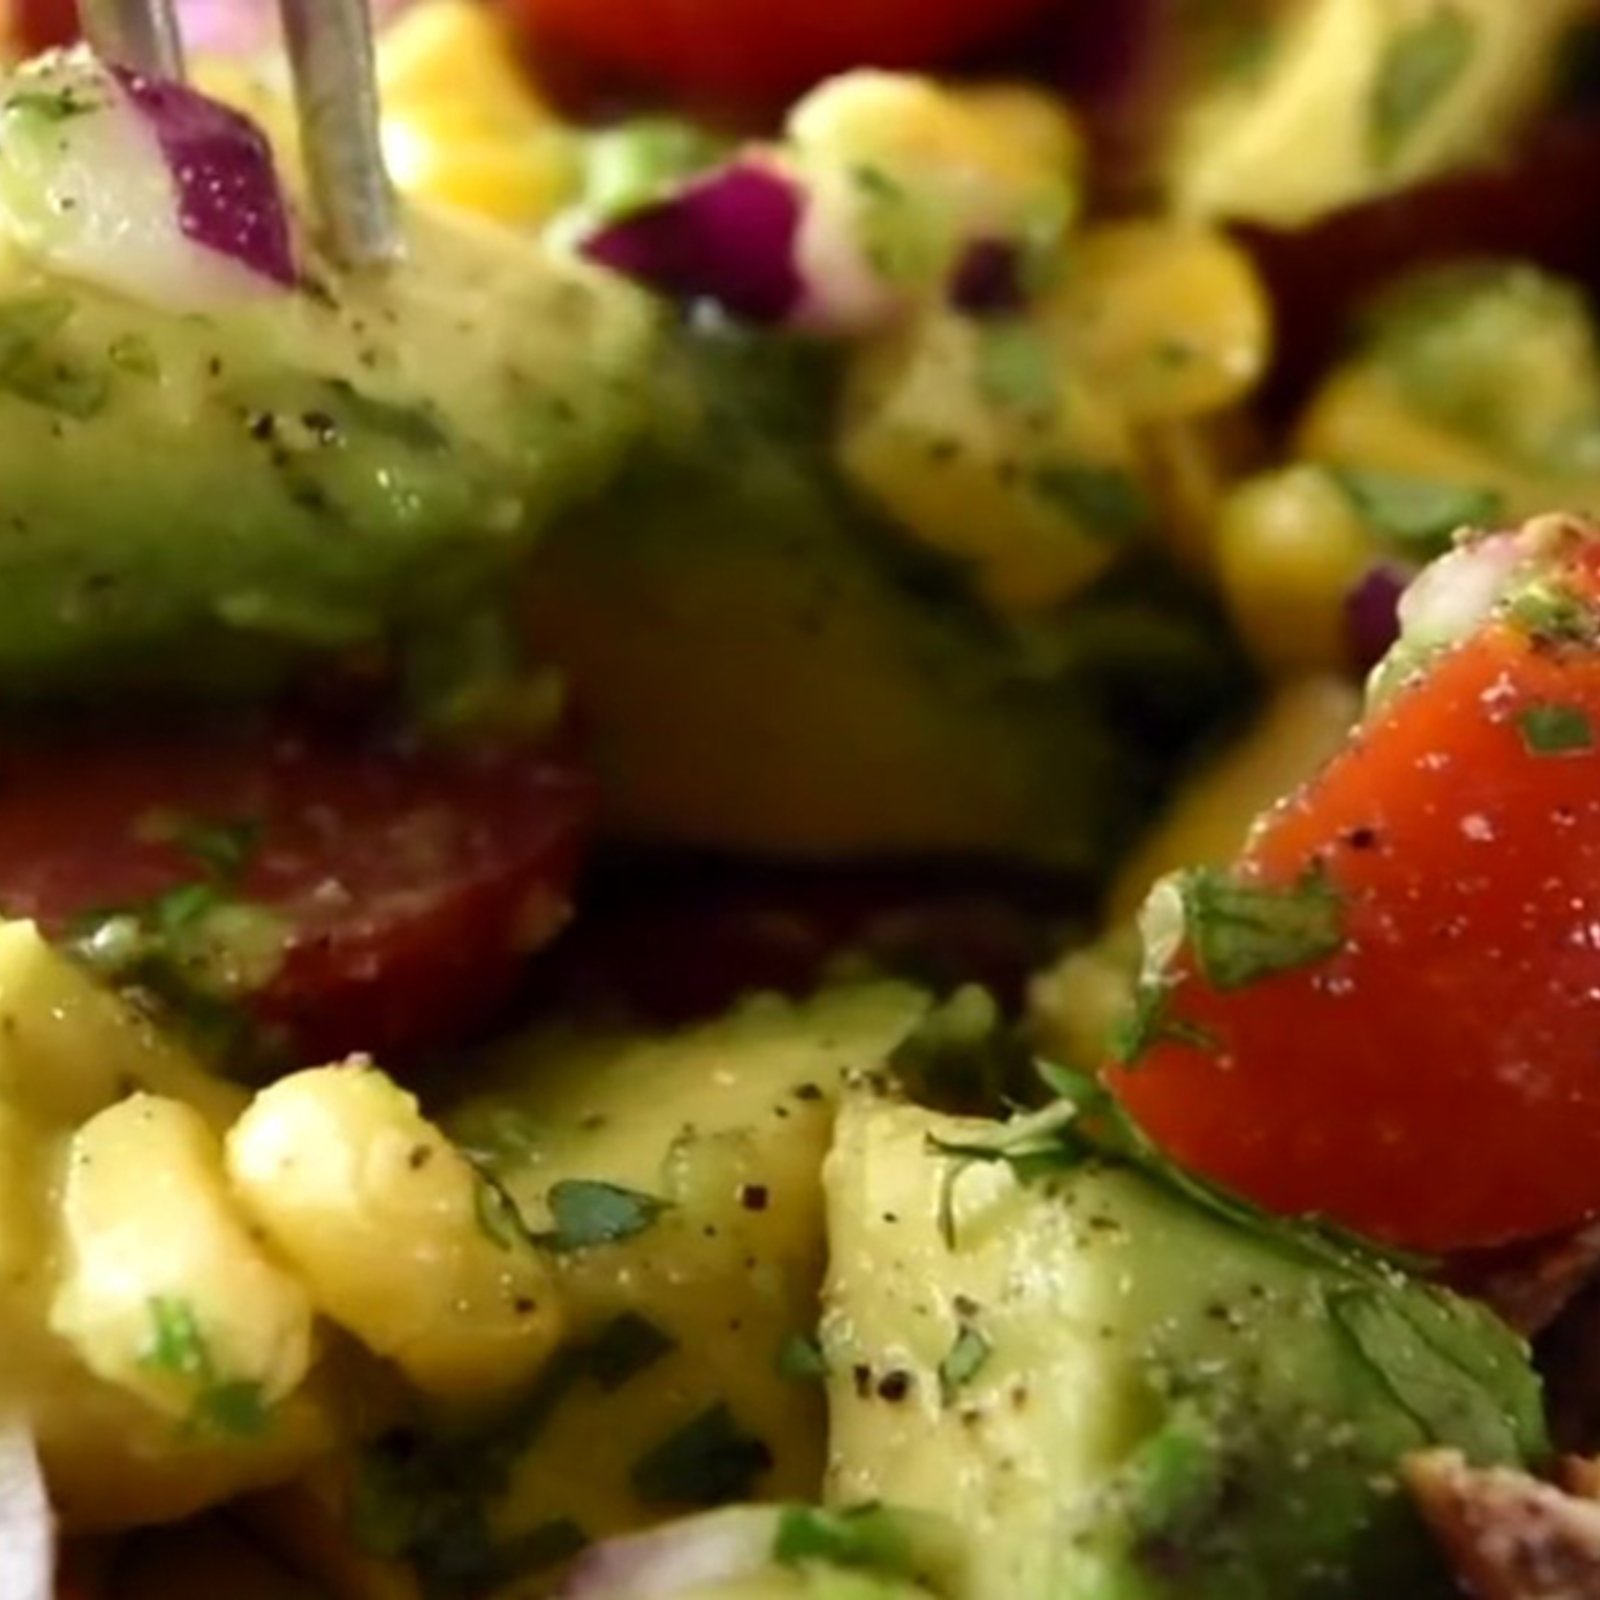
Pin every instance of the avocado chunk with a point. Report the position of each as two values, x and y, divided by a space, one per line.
765 669
677 1179
1117 1391
197 503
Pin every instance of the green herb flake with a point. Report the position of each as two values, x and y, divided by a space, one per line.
176 1343
709 1461
50 105
1417 514
587 1213
224 849
626 1346
964 1360
1149 1021
499 1217
1423 64
1243 932
1551 614
1015 370
134 354
1549 729
1104 502
800 1359
867 1538
234 1409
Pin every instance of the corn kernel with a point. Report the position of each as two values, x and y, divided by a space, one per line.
1290 547
982 446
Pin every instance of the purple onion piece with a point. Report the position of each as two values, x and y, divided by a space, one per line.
662 1562
229 197
987 280
729 237
27 1531
1372 614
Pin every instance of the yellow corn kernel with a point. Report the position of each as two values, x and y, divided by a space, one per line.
977 443
1361 419
165 1291
1037 128
446 52
462 125
989 163
396 1236
1301 726
1289 549
1168 319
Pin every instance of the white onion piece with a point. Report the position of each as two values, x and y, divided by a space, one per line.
1450 598
675 1559
27 1531
88 189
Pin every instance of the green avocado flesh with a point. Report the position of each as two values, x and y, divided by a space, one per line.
762 669
1120 1395
194 504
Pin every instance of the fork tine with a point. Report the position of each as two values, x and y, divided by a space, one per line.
142 34
331 56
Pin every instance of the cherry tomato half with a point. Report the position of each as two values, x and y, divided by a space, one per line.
1432 1077
39 24
408 887
754 50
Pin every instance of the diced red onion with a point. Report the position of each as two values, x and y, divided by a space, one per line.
27 1531
1372 614
698 1552
729 237
229 197
988 279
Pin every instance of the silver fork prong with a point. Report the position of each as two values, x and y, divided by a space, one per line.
335 84
142 34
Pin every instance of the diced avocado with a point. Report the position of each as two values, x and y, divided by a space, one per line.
676 1181
1283 113
1119 1393
195 503
763 668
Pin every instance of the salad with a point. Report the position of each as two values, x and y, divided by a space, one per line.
848 853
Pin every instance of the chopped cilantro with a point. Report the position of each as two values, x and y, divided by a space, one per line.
1423 64
1015 370
1551 614
498 1137
1148 1021
133 353
587 1213
499 1217
232 1408
800 1359
1417 514
964 1360
1243 932
224 849
1549 729
709 1461
50 105
626 1346
868 1538
1104 502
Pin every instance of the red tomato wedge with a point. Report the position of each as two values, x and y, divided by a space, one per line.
38 24
408 886
761 50
1418 1056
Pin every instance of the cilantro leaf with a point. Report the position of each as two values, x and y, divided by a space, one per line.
1551 729
800 1359
868 1538
1243 932
709 1461
1423 64
587 1213
1417 514
964 1360
233 1408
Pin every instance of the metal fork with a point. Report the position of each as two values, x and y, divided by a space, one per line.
336 95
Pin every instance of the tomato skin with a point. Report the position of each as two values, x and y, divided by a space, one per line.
411 885
1437 1082
747 51
39 24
